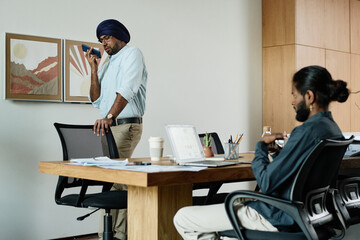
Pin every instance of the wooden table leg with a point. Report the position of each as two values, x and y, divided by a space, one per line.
151 211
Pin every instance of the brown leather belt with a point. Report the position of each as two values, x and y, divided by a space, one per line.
127 120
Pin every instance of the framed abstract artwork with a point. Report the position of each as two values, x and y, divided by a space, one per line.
77 70
33 68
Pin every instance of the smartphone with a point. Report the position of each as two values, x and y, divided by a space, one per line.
85 48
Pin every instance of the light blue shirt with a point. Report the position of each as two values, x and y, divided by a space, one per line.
126 74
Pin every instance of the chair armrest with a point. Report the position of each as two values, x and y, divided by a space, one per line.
293 209
340 210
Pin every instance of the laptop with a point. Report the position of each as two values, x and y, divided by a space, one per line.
187 149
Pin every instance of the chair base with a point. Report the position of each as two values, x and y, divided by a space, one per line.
108 233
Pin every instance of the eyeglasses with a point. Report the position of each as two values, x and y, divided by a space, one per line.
105 38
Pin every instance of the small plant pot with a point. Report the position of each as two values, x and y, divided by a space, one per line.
208 152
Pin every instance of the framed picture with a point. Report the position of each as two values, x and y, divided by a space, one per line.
33 68
77 70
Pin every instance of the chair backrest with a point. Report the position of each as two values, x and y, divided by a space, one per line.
316 175
320 168
216 145
349 200
349 189
79 141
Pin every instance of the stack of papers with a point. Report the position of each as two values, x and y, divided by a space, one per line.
106 162
155 168
98 161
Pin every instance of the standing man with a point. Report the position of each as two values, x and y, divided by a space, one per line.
119 91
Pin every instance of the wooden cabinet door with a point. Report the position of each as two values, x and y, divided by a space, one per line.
310 21
355 96
338 64
306 56
355 26
278 69
337 25
278 21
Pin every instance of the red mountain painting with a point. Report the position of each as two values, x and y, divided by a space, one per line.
41 80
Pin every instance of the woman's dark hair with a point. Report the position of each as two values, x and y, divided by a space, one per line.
319 81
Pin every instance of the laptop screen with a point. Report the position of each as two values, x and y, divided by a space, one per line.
185 143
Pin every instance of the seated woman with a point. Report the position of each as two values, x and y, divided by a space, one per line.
312 91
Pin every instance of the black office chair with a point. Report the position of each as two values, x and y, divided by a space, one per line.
349 200
79 141
349 185
312 199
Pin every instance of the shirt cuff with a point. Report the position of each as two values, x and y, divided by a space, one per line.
96 103
128 95
261 146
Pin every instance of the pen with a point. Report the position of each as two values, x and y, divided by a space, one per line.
237 143
230 140
142 163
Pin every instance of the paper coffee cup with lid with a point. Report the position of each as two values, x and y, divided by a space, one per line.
156 147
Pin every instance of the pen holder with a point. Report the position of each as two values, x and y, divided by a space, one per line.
231 150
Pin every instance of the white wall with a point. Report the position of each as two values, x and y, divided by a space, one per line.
205 68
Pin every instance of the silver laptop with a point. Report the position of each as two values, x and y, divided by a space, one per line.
187 149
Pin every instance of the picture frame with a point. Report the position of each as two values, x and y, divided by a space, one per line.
77 70
33 68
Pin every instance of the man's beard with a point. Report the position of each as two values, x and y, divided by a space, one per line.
110 51
113 50
302 112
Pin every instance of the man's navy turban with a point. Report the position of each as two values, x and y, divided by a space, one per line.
114 28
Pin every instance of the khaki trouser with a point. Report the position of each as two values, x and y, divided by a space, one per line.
126 136
203 222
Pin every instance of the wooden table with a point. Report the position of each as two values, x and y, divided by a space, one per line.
153 198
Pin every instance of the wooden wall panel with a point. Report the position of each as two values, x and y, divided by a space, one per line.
323 23
338 64
355 98
355 26
337 25
310 25
278 69
325 31
306 56
278 19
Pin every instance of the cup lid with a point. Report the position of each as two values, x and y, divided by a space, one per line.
158 139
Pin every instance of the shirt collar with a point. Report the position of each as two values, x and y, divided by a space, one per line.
116 55
316 117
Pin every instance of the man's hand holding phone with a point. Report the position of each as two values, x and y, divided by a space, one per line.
93 51
92 60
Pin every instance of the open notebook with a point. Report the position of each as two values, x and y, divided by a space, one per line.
187 149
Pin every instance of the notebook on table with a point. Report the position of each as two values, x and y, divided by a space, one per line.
187 149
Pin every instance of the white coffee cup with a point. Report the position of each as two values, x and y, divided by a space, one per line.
156 146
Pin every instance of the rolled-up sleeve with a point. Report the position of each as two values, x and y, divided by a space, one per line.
131 75
96 103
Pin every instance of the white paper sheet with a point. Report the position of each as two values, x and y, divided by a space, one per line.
98 161
154 168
